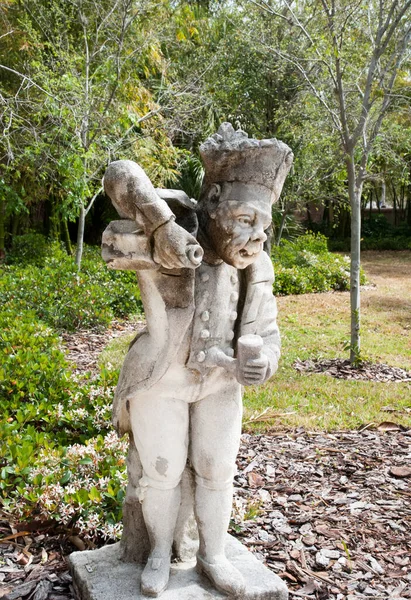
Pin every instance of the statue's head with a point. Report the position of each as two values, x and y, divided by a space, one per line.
243 178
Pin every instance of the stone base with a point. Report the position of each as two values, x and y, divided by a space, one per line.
101 575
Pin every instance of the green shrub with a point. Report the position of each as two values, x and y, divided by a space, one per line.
80 485
38 386
65 299
377 234
386 243
28 249
305 266
59 457
51 428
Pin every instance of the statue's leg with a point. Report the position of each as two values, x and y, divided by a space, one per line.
135 545
185 545
160 431
215 438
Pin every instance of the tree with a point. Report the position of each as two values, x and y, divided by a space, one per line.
350 55
87 67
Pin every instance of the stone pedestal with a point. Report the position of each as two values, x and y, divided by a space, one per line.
101 575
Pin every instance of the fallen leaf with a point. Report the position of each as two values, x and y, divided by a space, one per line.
388 426
400 471
310 588
255 479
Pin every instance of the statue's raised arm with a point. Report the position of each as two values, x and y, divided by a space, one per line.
135 199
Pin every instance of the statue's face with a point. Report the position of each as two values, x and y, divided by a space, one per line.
236 226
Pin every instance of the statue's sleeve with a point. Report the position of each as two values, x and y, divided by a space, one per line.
259 315
134 197
127 247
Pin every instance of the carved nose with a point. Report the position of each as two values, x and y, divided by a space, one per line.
259 236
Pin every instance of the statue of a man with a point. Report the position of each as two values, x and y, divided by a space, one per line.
206 287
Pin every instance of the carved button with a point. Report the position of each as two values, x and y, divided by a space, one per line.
230 335
234 279
233 316
205 334
201 356
229 352
204 277
234 297
205 316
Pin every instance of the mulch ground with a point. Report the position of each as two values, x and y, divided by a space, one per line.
329 513
83 348
343 369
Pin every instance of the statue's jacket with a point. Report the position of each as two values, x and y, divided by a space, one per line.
212 305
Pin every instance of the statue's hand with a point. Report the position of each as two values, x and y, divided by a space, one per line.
253 371
175 248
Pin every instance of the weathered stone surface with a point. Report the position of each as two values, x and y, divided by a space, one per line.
206 287
100 575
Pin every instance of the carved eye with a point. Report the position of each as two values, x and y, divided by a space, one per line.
244 219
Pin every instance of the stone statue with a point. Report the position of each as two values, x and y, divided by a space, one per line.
206 287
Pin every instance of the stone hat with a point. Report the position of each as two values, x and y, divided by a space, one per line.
230 156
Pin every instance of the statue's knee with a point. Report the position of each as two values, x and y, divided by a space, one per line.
161 474
214 484
214 474
157 484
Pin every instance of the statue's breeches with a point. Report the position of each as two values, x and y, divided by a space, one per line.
178 409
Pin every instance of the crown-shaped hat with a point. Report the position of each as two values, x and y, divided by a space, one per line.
231 155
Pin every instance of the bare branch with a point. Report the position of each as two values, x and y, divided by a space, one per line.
6 34
25 77
87 210
268 9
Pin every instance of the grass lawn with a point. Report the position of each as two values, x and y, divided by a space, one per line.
317 326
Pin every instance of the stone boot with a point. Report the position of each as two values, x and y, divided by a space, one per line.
155 576
223 575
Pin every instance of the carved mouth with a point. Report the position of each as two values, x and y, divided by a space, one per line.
246 254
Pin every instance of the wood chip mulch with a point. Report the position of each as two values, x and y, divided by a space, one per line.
343 369
330 513
32 561
83 348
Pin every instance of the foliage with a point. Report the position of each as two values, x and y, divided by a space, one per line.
305 266
59 296
49 412
386 243
28 249
378 234
379 227
64 422
91 68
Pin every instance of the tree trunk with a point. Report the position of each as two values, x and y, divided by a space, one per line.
2 229
66 237
371 201
15 222
80 236
281 228
394 204
355 191
383 194
54 220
